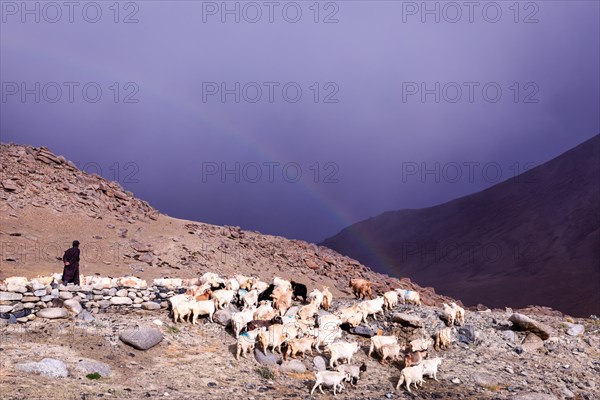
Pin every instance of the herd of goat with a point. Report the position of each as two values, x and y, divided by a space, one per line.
268 320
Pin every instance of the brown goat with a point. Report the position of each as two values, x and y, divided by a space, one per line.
361 288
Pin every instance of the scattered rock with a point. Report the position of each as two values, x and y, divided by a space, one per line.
86 316
525 323
147 258
88 366
141 247
407 320
532 343
319 363
222 317
293 366
9 185
534 396
575 330
510 336
142 338
267 359
49 367
150 305
485 380
363 330
466 334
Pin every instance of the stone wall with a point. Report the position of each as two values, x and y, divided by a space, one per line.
29 300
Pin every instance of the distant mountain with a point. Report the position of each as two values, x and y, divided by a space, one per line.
532 239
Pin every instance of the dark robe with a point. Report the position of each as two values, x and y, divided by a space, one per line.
71 271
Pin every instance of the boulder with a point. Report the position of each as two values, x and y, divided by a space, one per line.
319 363
73 306
509 336
147 258
86 316
150 305
88 366
407 320
575 330
523 322
222 317
141 247
466 334
262 358
49 367
52 313
9 185
363 330
293 366
141 338
532 343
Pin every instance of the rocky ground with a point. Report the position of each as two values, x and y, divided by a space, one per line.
198 361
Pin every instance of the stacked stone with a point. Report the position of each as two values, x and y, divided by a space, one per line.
23 303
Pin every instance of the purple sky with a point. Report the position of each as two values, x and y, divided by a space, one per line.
370 145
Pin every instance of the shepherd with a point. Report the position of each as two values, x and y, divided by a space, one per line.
71 261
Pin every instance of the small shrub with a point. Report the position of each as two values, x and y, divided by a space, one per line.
266 372
174 329
94 375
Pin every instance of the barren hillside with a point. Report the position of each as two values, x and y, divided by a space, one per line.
46 203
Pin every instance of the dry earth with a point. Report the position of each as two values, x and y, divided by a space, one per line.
198 362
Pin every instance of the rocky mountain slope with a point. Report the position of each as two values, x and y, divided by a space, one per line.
46 203
532 239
